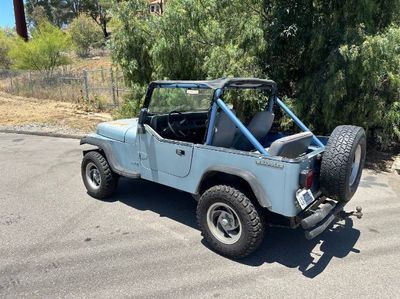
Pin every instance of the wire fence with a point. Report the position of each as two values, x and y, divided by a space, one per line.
104 86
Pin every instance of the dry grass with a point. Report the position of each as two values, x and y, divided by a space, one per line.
17 110
92 63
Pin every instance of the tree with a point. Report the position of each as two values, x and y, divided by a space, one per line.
132 40
85 34
192 39
45 50
57 12
61 12
305 54
324 55
37 16
5 46
98 11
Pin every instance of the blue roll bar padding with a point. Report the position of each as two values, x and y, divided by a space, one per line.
210 130
213 115
271 104
297 121
242 128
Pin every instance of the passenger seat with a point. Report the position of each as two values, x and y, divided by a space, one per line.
291 146
259 126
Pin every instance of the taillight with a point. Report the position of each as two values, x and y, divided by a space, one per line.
306 178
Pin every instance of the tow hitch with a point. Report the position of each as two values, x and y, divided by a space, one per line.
321 216
357 213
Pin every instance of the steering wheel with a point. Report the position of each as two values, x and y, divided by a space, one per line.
180 128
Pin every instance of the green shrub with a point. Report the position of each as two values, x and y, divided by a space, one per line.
44 51
5 45
131 104
85 35
372 73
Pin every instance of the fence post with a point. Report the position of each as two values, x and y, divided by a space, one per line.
116 83
112 86
11 81
85 84
30 83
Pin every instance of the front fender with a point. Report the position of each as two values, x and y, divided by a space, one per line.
105 145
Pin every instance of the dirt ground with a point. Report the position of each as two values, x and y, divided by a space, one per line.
19 111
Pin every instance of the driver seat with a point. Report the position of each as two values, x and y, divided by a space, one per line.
225 130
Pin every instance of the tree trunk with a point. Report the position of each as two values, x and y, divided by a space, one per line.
104 28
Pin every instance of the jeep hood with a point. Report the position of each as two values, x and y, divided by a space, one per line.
117 129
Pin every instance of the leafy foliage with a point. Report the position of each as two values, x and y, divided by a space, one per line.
5 46
316 51
132 39
372 91
98 11
57 12
45 50
192 40
62 12
334 62
85 34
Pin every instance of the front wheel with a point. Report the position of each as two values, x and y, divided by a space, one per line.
100 181
229 221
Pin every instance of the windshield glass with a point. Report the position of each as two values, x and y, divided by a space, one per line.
165 100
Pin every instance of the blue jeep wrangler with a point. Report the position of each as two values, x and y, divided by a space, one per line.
189 136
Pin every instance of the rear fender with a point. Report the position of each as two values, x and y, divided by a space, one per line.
247 176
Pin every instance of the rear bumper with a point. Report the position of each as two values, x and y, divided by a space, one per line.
322 214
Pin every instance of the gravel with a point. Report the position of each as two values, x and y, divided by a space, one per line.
43 129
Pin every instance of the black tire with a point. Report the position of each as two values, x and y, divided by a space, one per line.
108 179
345 145
252 227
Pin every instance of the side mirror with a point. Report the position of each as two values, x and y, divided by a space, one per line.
142 116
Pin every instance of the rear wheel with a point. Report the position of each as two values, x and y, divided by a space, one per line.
343 162
100 181
230 223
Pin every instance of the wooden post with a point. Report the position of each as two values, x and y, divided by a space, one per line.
102 74
20 22
11 81
85 84
116 83
112 86
30 83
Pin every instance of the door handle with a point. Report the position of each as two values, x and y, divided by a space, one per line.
180 152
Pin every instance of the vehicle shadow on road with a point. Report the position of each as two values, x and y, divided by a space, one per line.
291 249
281 245
167 202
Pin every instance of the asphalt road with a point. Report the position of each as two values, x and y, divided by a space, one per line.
56 241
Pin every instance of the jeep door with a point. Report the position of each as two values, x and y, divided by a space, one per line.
157 154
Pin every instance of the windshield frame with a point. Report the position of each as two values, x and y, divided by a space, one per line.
185 89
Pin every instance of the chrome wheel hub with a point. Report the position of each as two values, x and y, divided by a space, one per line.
356 165
224 223
93 175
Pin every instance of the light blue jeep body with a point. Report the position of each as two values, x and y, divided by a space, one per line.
136 150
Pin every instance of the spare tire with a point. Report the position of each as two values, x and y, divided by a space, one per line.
343 162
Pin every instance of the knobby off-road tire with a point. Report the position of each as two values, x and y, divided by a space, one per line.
211 207
343 162
100 181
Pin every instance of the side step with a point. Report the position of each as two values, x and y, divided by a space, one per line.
323 216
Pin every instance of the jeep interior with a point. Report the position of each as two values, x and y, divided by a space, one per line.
182 114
